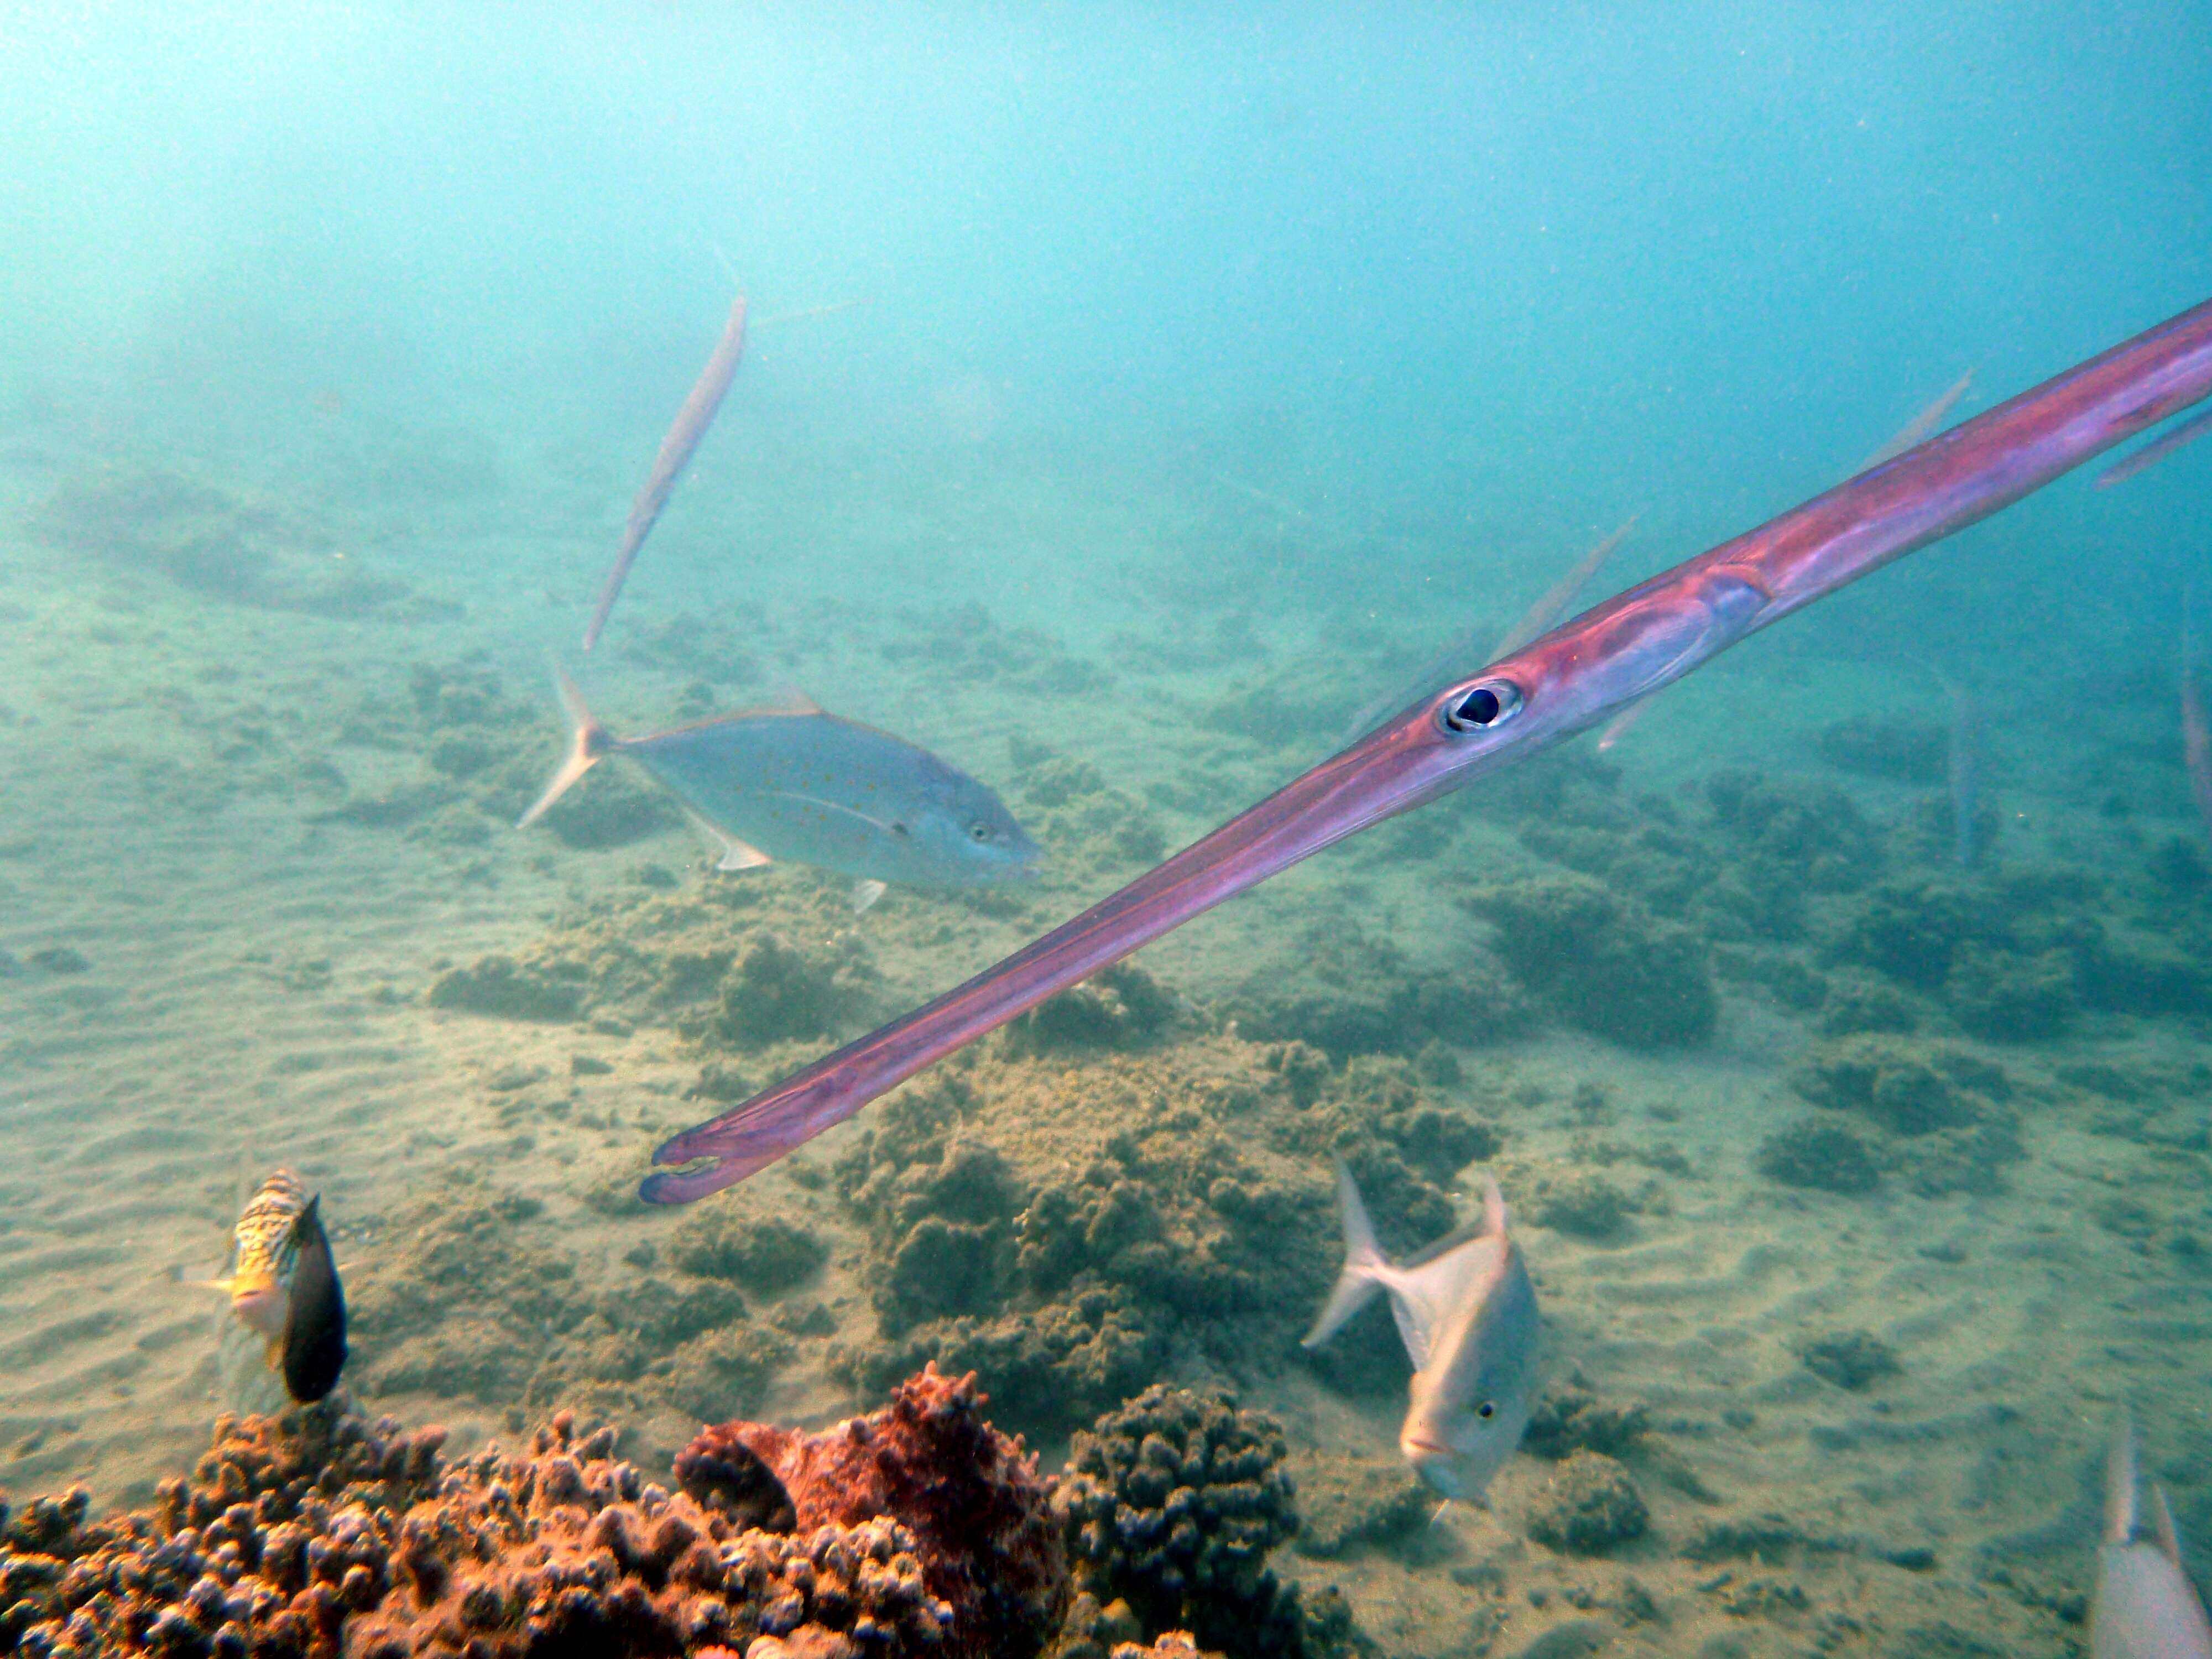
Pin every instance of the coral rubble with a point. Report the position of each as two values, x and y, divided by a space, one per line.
917 1530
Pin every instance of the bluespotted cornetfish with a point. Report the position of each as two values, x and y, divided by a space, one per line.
676 452
2156 451
799 785
1576 677
1466 1314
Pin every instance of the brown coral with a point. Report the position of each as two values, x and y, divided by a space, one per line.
318 1534
988 1544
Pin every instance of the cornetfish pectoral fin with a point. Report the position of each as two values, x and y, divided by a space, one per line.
587 742
1363 1262
315 1328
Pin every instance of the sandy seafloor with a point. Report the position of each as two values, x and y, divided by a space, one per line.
200 695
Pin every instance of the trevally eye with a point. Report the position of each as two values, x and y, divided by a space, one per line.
1482 707
979 832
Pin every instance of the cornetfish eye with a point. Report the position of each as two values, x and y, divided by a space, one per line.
1482 707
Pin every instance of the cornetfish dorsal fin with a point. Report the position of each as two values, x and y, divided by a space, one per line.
1363 1262
588 741
2120 1482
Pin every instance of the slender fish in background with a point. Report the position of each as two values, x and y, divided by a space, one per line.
1574 678
2145 1607
1445 665
803 786
283 1286
1466 1314
1920 425
1912 432
2156 451
1618 727
2196 736
676 451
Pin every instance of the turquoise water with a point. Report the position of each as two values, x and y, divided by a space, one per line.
1130 397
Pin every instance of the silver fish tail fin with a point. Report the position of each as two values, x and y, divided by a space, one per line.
2121 1483
588 742
1494 1213
1363 1262
2163 1527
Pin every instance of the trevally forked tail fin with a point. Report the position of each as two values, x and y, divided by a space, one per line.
589 743
1364 1261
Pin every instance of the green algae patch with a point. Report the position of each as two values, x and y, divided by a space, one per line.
1602 962
1119 1007
774 993
1588 1507
765 1252
1936 1110
1825 1157
499 987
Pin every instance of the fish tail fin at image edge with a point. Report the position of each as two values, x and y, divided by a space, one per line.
1363 1262
588 742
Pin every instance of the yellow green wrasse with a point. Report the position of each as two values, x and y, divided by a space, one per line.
283 1285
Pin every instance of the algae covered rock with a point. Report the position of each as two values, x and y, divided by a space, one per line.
769 1253
1909 1088
774 993
1118 1007
1604 961
503 988
1587 1506
1823 1155
1850 1359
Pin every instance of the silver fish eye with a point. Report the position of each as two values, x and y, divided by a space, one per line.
1486 1410
1480 706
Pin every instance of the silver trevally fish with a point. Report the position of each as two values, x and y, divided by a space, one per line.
1468 1314
800 785
2146 1608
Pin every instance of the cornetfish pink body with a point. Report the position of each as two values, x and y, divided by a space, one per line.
676 451
1561 684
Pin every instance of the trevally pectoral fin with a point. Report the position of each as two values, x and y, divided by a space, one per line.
865 894
736 854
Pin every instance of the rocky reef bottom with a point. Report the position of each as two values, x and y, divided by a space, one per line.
916 1529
